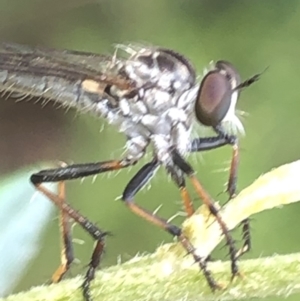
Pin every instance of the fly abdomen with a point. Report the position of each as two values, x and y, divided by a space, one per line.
80 94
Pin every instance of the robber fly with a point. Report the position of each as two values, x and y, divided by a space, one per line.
150 94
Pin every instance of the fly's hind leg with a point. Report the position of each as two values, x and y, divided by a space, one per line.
60 175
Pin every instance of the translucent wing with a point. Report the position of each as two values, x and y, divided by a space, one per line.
62 75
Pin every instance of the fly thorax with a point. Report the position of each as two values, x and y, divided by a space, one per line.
158 67
160 107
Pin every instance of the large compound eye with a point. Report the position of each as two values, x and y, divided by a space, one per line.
214 96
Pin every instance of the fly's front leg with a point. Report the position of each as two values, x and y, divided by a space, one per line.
209 143
68 173
134 186
231 187
208 201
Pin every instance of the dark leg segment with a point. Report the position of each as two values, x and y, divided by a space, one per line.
207 143
93 264
246 237
137 183
207 200
77 171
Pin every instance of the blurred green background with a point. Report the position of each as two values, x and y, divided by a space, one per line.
252 35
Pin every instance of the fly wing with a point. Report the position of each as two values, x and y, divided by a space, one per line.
72 78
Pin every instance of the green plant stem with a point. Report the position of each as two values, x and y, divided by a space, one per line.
155 277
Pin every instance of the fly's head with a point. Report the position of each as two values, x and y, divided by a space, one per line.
217 97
